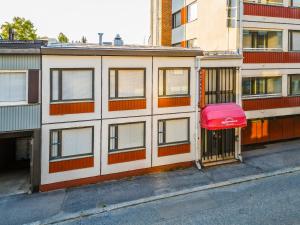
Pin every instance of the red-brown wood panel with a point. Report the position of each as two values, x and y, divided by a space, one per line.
297 126
275 129
71 164
174 102
288 130
271 103
249 133
271 57
71 108
174 150
271 11
121 105
123 157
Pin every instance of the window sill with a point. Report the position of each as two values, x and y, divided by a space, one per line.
71 158
13 103
174 144
127 150
253 97
174 96
263 50
72 101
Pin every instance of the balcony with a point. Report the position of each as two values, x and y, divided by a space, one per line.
20 117
252 9
271 103
271 57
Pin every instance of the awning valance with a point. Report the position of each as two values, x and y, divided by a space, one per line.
223 116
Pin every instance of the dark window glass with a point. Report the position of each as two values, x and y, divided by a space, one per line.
176 19
294 84
261 86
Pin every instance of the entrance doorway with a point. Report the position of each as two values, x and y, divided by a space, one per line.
218 146
15 158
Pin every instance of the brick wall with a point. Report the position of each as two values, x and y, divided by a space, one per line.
166 29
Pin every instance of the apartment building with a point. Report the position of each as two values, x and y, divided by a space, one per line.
265 33
20 115
111 112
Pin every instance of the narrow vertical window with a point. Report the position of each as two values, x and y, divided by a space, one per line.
161 132
55 144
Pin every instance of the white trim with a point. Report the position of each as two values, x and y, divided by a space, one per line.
26 89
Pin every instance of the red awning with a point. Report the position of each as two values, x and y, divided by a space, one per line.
223 116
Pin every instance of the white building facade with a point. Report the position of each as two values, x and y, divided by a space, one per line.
111 113
265 33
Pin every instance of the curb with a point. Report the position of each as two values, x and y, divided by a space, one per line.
73 216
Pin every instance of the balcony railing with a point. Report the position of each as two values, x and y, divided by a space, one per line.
271 57
252 9
20 117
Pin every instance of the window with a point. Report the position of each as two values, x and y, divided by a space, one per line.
294 44
127 136
173 131
176 19
254 86
191 43
266 2
69 143
232 13
127 83
220 85
294 84
295 3
192 12
72 84
262 40
177 45
174 82
13 87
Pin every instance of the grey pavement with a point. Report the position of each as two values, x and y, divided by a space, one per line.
24 208
270 201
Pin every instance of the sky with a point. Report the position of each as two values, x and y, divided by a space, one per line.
77 18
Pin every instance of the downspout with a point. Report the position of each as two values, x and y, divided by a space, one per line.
197 117
241 7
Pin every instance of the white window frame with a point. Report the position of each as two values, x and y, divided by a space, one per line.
60 73
259 96
26 88
191 4
116 87
163 132
115 138
163 71
59 144
263 30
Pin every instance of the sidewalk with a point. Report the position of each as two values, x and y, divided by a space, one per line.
22 209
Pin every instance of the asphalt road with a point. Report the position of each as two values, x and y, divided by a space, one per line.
274 201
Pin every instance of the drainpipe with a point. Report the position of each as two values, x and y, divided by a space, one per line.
197 117
241 7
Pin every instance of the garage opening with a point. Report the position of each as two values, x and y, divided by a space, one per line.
15 161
